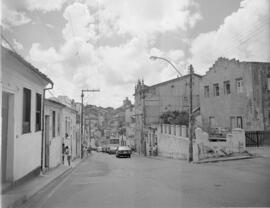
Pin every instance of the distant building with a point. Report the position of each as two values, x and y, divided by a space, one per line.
152 101
130 123
22 96
236 94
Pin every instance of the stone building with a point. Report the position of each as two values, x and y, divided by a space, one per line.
152 101
236 94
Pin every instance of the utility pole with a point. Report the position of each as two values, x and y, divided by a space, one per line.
190 158
82 95
143 144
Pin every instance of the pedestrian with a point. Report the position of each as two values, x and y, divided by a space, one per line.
155 150
63 153
68 153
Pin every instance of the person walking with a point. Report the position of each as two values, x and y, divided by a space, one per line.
63 153
68 153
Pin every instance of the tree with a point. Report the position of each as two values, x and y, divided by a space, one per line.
175 117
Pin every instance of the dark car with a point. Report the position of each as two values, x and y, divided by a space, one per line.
123 151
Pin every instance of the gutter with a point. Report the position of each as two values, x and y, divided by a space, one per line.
42 127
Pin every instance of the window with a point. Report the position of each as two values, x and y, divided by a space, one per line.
206 91
227 88
239 85
239 122
26 125
232 122
216 89
58 124
212 122
53 124
38 112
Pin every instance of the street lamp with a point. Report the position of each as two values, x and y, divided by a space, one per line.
157 57
191 123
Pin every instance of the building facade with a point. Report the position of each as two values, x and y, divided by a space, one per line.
53 133
236 94
152 101
22 97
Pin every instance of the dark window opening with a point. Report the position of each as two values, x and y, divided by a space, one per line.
26 125
38 112
53 124
227 88
239 122
216 89
206 91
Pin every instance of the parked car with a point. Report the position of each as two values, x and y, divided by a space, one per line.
99 149
112 149
94 148
123 151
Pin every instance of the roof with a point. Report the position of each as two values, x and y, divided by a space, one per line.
27 64
223 59
55 102
171 80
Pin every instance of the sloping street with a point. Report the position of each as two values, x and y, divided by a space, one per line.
103 180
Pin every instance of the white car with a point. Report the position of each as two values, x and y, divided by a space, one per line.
99 149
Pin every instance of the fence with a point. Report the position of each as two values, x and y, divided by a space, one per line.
176 130
257 138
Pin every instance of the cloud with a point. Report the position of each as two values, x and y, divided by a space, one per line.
84 61
50 26
147 17
17 45
10 17
244 35
45 5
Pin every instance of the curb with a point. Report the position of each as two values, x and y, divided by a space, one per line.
24 198
223 159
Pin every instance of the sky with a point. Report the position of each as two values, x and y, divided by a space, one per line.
106 44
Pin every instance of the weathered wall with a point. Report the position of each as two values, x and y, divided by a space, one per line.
203 148
171 144
247 104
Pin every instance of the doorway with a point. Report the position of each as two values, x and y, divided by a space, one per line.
47 141
7 147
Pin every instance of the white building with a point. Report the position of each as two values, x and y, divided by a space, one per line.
22 94
53 133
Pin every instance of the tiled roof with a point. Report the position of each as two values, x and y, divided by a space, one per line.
27 64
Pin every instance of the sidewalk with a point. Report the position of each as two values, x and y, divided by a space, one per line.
22 193
260 151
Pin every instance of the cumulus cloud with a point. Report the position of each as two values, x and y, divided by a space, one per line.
45 5
147 17
10 17
84 61
243 35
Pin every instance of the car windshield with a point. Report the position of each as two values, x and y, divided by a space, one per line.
123 148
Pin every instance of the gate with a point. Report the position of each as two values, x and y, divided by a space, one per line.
257 138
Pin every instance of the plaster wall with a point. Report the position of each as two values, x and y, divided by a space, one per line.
26 148
247 104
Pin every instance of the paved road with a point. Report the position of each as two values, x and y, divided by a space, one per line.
105 181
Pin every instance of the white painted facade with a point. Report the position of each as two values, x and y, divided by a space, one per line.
23 150
69 126
55 139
